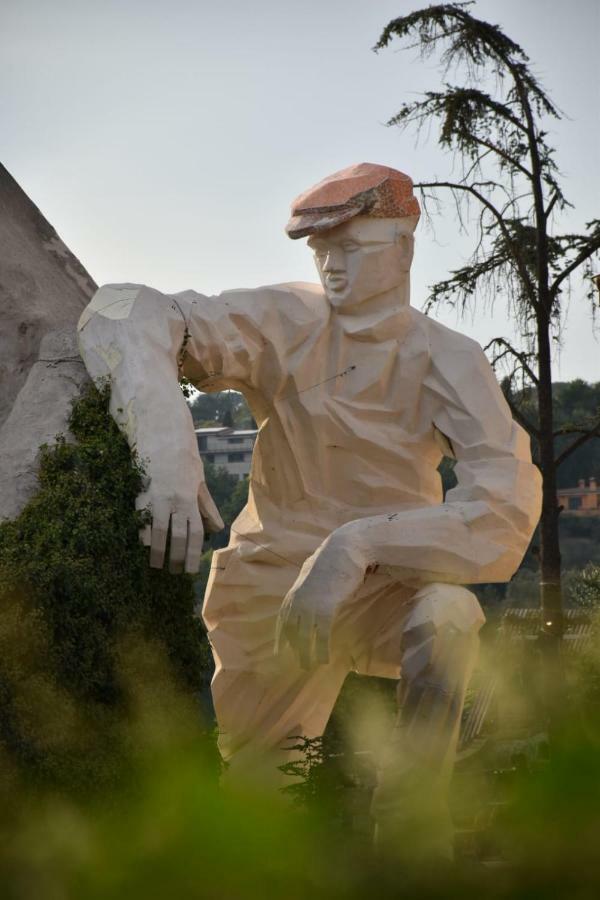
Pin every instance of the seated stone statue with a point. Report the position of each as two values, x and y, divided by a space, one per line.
346 557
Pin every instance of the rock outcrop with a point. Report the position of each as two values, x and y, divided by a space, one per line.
43 289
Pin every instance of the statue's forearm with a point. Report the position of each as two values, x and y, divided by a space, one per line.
133 336
457 543
479 535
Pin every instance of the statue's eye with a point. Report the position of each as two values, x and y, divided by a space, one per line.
350 246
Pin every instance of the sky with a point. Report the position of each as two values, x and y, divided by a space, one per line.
165 140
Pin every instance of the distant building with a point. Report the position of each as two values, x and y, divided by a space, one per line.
227 448
580 500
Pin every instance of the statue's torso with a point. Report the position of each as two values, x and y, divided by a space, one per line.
348 431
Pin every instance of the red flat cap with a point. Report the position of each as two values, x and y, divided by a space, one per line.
361 190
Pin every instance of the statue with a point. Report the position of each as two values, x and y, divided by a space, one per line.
346 557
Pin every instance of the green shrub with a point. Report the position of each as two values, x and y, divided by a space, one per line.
77 594
584 588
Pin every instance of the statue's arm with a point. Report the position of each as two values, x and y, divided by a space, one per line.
136 338
479 534
481 531
499 490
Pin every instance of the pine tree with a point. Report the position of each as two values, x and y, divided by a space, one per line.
495 122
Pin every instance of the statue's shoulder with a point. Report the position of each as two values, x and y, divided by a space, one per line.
120 301
443 340
297 299
296 294
458 365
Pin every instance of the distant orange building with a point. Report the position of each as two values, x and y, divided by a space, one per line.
580 500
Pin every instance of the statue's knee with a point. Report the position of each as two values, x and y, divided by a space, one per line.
442 615
440 604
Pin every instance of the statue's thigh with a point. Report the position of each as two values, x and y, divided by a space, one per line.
261 699
242 601
392 629
369 629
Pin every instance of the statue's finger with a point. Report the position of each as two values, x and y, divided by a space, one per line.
142 503
208 509
322 631
280 639
195 543
289 631
146 535
158 543
304 641
178 543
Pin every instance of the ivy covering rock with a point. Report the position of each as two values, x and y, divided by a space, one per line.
79 601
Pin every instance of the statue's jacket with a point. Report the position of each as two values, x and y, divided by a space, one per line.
354 418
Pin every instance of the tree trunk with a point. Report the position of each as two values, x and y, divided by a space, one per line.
551 598
552 625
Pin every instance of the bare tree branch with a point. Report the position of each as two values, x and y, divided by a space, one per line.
471 189
475 165
593 247
518 354
577 429
493 148
550 207
579 442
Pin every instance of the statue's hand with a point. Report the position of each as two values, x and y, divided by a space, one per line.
179 501
328 579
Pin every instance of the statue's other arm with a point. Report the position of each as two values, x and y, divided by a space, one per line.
138 338
481 531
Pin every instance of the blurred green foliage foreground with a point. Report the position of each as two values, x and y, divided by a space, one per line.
110 777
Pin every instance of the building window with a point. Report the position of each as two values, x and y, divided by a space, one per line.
574 502
201 442
235 440
235 457
209 457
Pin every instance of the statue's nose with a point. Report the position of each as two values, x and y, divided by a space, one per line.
335 260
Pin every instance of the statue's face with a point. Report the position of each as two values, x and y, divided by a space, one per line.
362 258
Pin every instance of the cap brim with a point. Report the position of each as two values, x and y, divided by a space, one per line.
307 223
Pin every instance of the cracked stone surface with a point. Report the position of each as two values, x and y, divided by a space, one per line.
43 289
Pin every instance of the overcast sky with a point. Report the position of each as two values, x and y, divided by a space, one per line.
165 140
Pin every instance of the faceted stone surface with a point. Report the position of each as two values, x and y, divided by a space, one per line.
43 289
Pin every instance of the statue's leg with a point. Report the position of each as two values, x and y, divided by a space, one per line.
439 649
263 716
262 701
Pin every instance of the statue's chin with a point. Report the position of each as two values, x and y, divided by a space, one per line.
340 299
347 302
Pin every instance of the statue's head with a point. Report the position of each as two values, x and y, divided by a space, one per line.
359 223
